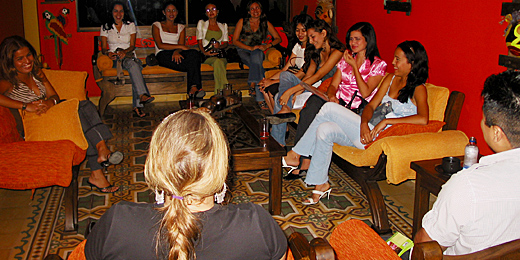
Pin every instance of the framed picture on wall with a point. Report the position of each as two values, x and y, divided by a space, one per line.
91 14
398 5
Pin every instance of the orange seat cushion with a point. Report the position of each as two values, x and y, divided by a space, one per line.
79 252
353 239
406 129
8 131
31 165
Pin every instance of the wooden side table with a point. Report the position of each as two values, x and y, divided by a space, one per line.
427 181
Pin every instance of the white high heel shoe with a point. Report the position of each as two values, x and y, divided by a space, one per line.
321 193
285 165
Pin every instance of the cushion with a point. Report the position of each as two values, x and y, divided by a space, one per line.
79 252
406 129
8 131
353 239
61 122
104 62
437 101
31 165
68 84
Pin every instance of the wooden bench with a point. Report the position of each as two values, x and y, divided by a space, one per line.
161 80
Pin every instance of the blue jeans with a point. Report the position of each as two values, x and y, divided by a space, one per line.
254 60
134 68
333 124
94 130
287 81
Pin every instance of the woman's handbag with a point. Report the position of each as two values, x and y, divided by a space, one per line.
357 110
381 112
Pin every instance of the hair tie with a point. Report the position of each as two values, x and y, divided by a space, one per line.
177 197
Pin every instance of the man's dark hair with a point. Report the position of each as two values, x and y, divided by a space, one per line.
501 106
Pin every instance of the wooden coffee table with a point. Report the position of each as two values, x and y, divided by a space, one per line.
268 155
427 180
250 153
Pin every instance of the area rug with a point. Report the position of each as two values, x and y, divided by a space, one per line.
132 136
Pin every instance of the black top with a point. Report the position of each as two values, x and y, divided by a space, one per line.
245 231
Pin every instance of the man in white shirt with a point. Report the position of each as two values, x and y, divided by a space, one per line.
479 207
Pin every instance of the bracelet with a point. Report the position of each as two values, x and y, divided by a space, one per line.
24 106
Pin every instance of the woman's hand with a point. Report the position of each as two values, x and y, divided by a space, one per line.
41 106
365 135
264 83
378 128
349 59
177 57
112 55
121 54
333 98
285 98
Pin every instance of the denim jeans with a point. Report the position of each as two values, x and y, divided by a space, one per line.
287 81
94 130
333 124
254 60
134 68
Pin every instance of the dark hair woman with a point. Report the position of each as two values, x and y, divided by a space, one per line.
118 38
206 31
321 57
172 52
404 91
269 86
24 86
249 36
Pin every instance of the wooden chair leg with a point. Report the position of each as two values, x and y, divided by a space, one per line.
367 178
71 204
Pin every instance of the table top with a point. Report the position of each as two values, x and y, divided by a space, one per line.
429 167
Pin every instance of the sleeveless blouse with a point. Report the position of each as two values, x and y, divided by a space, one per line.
348 84
399 109
250 38
24 94
168 37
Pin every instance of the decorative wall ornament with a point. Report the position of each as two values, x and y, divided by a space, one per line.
398 5
56 25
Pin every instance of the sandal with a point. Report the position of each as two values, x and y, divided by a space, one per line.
145 99
263 105
139 112
107 189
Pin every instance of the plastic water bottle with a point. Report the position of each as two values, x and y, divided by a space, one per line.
470 153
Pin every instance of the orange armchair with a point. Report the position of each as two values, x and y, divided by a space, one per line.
54 145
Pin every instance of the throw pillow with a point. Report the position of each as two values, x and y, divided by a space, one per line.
60 122
406 129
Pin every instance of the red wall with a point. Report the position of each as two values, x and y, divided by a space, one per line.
77 53
463 40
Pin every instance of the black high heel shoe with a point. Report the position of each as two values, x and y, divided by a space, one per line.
103 190
114 158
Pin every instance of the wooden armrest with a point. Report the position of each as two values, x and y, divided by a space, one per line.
317 249
432 250
427 250
321 250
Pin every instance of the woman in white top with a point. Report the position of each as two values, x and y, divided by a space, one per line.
118 42
269 86
206 31
171 50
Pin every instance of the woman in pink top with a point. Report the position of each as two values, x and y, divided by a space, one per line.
358 72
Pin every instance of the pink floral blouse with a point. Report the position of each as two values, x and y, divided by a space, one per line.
348 84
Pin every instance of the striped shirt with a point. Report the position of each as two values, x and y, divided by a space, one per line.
25 94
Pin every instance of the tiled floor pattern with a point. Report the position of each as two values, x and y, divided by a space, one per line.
20 216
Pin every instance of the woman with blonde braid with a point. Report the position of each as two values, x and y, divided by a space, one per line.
188 162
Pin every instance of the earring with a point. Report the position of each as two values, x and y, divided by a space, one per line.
159 197
219 197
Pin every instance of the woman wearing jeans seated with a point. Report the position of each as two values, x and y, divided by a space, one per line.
249 35
118 42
